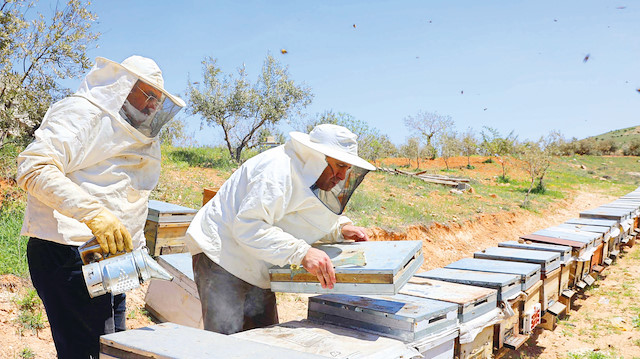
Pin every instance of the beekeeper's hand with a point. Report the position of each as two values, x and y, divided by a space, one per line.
358 234
110 233
319 264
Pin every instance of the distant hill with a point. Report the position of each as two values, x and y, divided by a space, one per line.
621 137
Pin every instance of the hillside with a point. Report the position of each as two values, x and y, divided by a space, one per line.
620 137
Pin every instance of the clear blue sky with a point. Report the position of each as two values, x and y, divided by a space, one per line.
511 65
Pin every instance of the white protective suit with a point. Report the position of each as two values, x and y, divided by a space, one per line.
265 214
85 157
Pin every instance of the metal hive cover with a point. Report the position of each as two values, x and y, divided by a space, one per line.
179 262
506 284
447 291
157 207
586 234
473 301
575 245
547 260
169 340
594 222
389 264
566 235
529 273
607 213
404 317
585 228
564 251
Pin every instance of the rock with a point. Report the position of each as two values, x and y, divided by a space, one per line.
455 191
583 167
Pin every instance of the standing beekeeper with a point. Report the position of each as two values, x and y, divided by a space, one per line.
89 172
268 213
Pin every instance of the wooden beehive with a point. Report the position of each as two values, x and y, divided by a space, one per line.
403 317
175 301
472 301
166 226
529 273
389 265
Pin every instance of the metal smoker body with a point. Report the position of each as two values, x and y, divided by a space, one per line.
121 272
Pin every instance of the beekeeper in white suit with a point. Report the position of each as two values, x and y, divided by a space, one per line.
89 172
268 213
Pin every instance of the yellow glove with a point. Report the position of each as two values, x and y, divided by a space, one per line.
110 233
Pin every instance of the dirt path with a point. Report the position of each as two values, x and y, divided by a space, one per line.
595 326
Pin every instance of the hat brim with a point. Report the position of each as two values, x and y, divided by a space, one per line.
175 99
353 160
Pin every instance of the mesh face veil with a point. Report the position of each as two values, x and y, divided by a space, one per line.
148 109
336 198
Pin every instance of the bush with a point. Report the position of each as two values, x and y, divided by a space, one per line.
633 148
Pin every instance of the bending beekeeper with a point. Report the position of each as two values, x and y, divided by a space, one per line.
89 172
268 213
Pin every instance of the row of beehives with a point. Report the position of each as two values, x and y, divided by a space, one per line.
477 307
474 307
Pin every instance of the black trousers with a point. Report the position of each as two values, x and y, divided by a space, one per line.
77 320
229 304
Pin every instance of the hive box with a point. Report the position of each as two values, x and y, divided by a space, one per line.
567 264
331 341
166 226
548 261
529 273
578 251
175 301
170 340
403 317
389 265
472 301
507 285
605 231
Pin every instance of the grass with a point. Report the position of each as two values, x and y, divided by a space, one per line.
30 316
14 247
610 354
27 353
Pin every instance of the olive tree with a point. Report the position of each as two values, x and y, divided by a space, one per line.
429 125
241 108
37 51
450 146
495 144
469 145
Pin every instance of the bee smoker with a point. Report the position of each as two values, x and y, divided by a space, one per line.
117 273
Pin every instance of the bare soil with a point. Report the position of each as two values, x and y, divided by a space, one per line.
605 320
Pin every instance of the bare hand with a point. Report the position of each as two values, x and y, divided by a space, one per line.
358 234
319 264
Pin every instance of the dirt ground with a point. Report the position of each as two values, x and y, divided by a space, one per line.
605 321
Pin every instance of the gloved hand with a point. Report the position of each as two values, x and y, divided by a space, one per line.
110 233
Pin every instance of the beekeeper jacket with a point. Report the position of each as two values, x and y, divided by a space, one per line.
265 214
86 157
